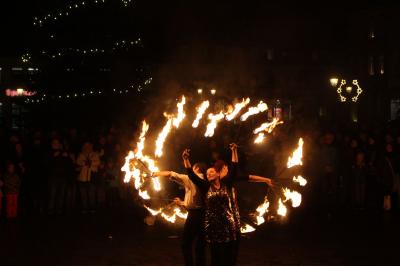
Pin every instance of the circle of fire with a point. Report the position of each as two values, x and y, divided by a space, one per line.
139 166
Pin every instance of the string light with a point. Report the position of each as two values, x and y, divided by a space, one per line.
67 10
91 92
118 45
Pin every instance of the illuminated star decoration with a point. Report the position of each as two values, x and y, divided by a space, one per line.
340 91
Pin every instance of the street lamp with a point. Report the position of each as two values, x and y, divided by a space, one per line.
334 82
213 91
199 91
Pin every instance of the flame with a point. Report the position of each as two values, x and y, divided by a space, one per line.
301 180
144 194
162 136
297 155
268 127
181 114
156 184
171 121
282 210
246 229
214 118
153 212
261 107
260 138
169 218
293 196
200 112
262 210
238 106
180 214
140 144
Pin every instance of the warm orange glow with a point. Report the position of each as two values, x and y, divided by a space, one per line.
236 110
214 119
293 196
296 158
200 112
153 212
282 210
171 121
246 229
261 107
268 127
301 180
260 138
262 210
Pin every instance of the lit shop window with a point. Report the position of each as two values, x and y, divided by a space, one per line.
381 64
371 65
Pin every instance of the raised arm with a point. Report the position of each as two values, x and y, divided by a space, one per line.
162 174
261 179
201 183
179 178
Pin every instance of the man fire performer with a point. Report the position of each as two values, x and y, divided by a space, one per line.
193 231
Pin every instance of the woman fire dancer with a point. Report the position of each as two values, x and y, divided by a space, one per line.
222 219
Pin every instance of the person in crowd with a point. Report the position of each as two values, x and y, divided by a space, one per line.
387 176
88 162
37 176
60 168
329 176
112 178
1 195
359 180
12 183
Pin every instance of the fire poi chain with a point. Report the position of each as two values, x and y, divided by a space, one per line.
138 166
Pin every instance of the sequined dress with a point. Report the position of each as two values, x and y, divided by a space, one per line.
222 220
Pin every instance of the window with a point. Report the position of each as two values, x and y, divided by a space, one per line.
270 54
381 64
372 33
371 65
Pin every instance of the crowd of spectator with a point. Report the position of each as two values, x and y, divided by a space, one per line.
54 172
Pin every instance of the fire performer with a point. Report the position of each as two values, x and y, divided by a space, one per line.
222 219
193 231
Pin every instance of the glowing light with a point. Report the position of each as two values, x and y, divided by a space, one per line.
153 212
293 196
144 194
261 107
262 210
200 112
334 82
301 180
282 210
260 138
268 127
213 91
171 121
238 107
246 229
297 155
214 119
181 114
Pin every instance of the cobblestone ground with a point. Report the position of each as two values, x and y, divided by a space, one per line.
121 238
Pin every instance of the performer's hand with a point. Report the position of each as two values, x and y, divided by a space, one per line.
269 182
186 154
233 146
